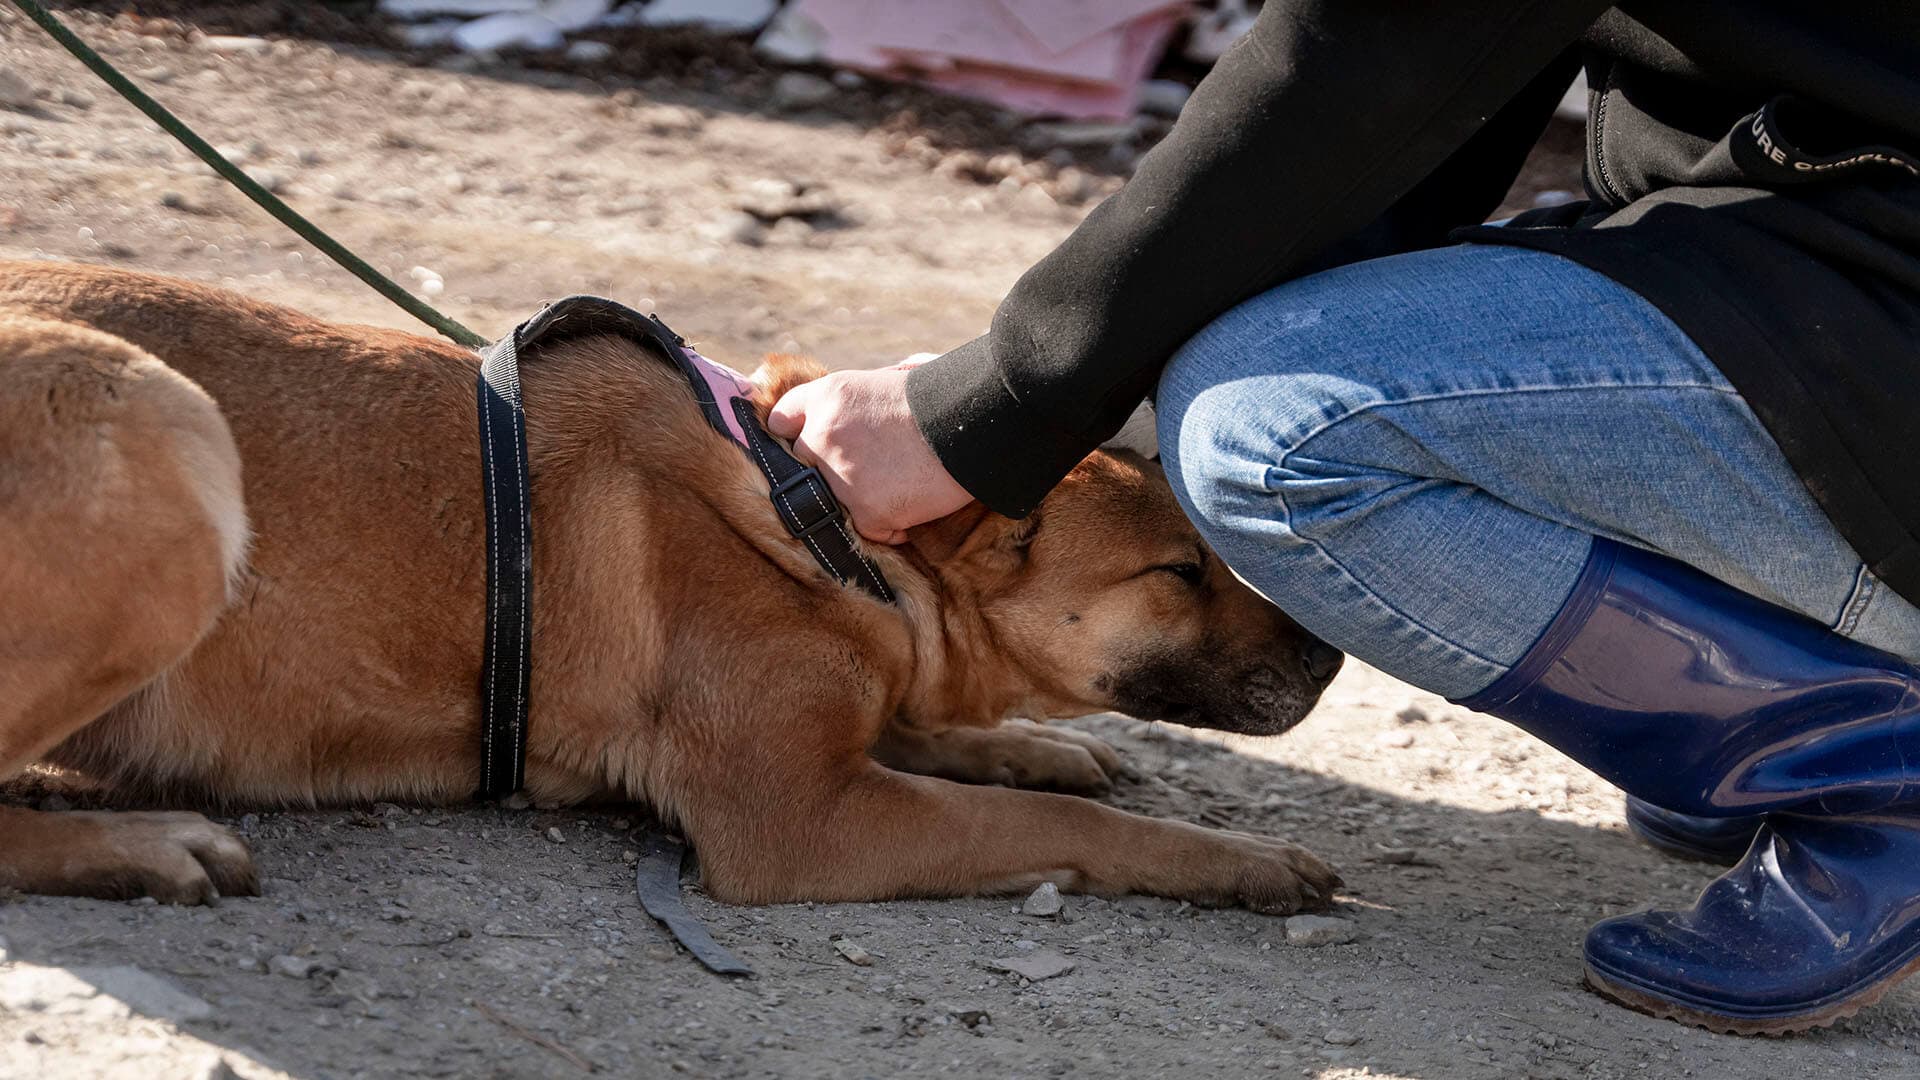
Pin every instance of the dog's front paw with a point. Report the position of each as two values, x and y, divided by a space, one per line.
176 858
1268 876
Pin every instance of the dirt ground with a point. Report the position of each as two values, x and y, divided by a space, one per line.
492 943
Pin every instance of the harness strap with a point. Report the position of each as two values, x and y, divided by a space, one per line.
506 666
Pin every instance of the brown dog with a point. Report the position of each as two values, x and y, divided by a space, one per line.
317 639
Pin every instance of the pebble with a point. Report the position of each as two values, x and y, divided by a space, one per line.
1312 931
738 227
589 52
554 835
234 44
1044 902
293 967
1340 1037
516 801
800 90
271 179
1034 967
154 75
15 91
853 954
78 99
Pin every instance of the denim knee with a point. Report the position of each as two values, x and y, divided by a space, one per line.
1219 444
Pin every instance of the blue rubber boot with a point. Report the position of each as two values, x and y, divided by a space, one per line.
1702 700
1703 839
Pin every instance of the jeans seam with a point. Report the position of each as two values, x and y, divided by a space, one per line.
1286 516
1857 601
1449 395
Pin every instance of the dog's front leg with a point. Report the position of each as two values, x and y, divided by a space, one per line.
869 833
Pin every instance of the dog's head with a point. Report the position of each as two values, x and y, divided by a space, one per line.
1106 598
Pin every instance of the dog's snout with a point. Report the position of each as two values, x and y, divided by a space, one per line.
1322 660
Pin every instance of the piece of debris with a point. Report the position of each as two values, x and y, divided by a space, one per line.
1075 60
1340 1037
232 44
1034 967
1044 902
770 200
725 16
555 836
797 90
1312 931
78 99
589 52
853 954
293 967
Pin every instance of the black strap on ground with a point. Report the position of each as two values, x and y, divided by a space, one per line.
658 880
506 666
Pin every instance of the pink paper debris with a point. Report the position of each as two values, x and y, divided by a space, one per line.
1076 58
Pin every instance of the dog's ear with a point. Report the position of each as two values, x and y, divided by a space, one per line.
779 373
975 534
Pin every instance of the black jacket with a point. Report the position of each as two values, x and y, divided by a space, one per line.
1748 171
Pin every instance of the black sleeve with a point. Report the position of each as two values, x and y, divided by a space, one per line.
1318 121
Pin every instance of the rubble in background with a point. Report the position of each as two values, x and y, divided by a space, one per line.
1073 59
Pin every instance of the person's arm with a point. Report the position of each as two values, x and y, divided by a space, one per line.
1325 115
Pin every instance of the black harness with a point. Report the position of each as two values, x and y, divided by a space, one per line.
799 493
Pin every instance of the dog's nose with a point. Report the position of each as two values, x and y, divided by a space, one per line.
1323 660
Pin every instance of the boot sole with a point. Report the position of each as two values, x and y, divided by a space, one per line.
1826 1016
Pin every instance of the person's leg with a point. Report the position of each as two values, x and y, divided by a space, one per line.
1412 455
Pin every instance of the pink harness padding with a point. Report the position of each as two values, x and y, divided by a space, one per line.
727 386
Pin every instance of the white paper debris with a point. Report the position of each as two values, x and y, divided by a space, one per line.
724 15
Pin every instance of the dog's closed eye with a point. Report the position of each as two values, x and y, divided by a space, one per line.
1190 572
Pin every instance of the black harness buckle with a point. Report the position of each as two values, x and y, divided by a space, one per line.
826 508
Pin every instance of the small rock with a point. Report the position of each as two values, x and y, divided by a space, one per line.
271 179
293 967
554 835
15 91
630 857
738 227
232 44
799 90
78 99
158 75
516 801
1340 1037
971 1018
1044 902
1033 967
852 953
1412 714
589 52
1312 931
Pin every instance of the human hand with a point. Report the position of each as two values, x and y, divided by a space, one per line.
855 427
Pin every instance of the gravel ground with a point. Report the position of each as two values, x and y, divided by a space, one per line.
472 942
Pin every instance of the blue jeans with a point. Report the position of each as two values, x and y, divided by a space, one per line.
1411 457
